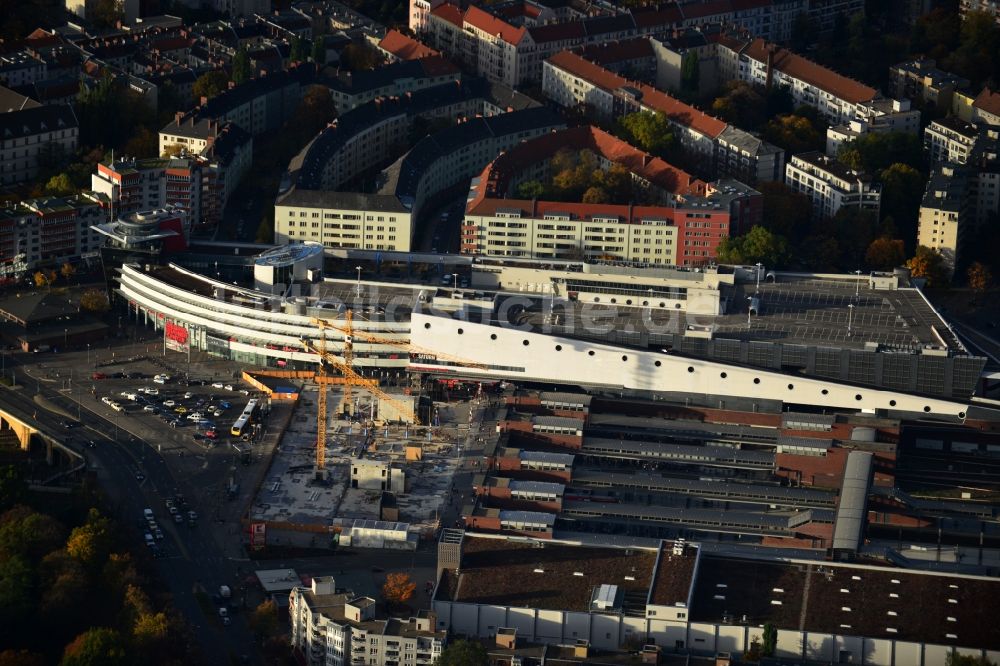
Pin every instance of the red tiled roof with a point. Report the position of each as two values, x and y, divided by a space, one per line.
806 70
496 176
171 43
652 98
405 47
988 101
491 25
449 12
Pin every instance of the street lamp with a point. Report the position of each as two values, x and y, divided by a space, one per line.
850 318
760 267
65 338
358 269
455 277
88 354
857 285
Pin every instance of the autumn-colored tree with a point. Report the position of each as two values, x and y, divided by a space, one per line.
26 532
531 189
885 253
21 658
40 279
264 619
60 185
595 195
398 588
99 646
742 105
150 630
980 277
173 150
794 133
94 300
65 587
89 543
142 143
210 84
67 270
928 263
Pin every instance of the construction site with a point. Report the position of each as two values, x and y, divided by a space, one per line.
382 485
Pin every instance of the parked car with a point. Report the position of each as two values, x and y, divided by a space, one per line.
217 385
169 403
211 434
98 375
149 408
188 395
229 387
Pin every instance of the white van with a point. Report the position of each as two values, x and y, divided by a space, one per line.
147 514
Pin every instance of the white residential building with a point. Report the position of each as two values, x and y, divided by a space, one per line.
831 185
32 135
339 629
49 231
950 140
342 219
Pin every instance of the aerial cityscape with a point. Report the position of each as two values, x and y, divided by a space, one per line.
499 332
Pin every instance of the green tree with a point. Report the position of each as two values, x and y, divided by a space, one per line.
531 189
785 212
855 230
928 263
105 13
150 632
757 245
99 646
64 586
690 73
319 51
741 105
241 66
26 532
210 84
902 191
819 252
649 131
358 58
876 151
144 143
769 640
16 591
13 487
315 111
60 185
794 133
299 52
265 230
463 653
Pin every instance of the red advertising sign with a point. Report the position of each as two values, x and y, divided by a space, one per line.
178 334
258 535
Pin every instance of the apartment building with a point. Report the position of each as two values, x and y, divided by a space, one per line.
921 80
509 42
721 150
220 153
351 90
436 164
949 139
831 185
945 219
49 231
331 628
260 105
21 68
31 134
682 228
342 219
961 198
